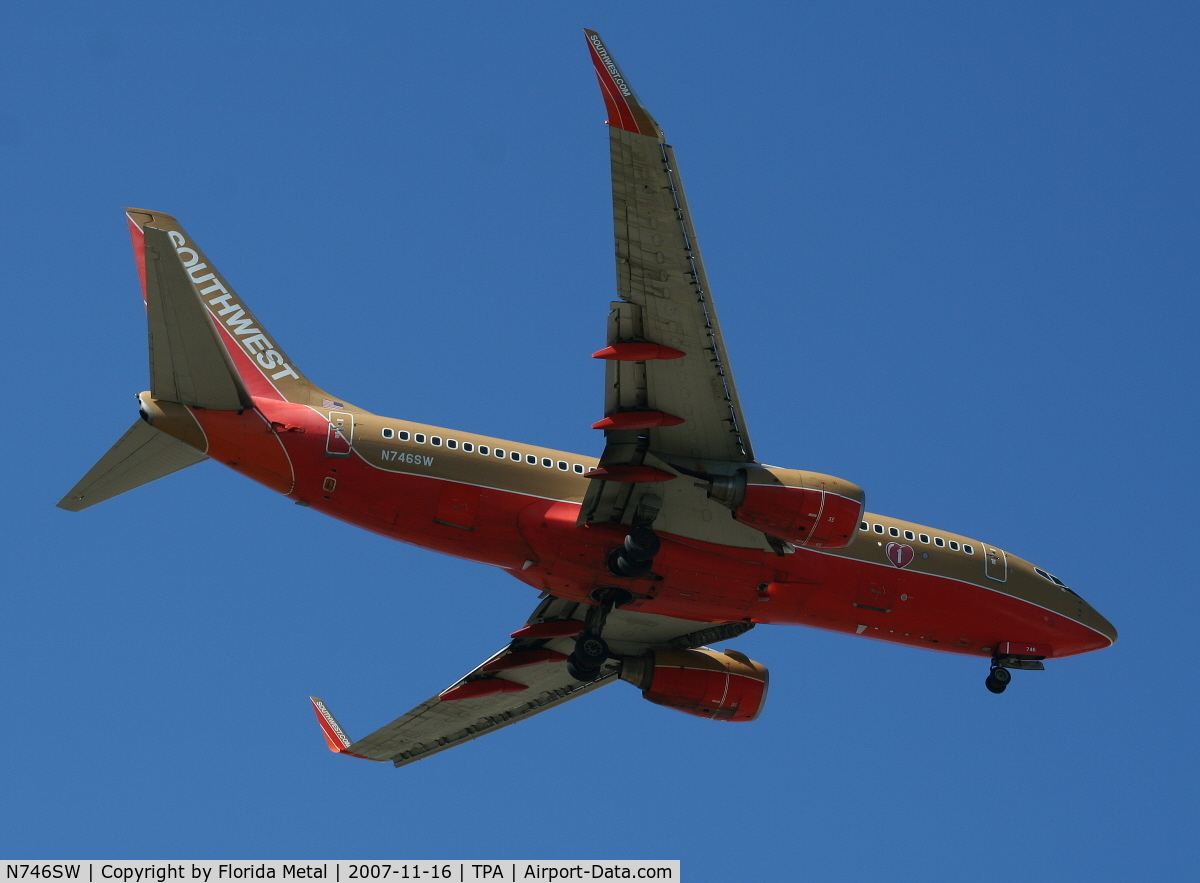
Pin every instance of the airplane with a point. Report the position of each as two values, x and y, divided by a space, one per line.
675 538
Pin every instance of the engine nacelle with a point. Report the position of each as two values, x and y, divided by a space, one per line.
725 686
803 508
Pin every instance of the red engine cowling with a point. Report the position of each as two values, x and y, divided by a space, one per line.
803 508
724 686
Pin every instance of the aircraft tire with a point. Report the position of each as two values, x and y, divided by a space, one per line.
591 652
580 674
641 544
998 679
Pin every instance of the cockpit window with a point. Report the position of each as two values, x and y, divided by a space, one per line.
1055 580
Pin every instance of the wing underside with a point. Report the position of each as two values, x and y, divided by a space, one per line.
670 402
525 678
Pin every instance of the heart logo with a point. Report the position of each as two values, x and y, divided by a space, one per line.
900 554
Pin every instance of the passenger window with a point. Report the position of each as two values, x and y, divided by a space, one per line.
387 433
862 525
953 546
499 452
515 456
908 535
403 435
436 441
530 459
894 531
879 528
938 541
924 538
468 447
969 549
562 464
483 449
419 438
579 469
451 444
547 462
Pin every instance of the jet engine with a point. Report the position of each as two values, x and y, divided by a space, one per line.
725 686
802 508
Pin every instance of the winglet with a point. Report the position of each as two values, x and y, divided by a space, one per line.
335 736
624 109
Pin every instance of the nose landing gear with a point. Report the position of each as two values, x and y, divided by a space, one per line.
1000 676
998 679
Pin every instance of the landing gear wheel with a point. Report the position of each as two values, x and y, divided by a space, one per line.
634 558
998 679
591 652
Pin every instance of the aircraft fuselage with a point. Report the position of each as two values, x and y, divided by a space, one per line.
516 506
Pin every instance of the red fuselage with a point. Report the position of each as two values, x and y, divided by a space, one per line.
928 596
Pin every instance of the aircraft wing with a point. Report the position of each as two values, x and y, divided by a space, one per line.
670 398
526 677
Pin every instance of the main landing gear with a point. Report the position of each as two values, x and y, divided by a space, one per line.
591 650
633 559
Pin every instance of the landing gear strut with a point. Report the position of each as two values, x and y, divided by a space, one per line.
591 650
998 678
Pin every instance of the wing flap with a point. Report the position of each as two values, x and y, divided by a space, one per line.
140 456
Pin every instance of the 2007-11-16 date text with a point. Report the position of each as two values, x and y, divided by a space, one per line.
402 872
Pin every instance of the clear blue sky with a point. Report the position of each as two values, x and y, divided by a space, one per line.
955 251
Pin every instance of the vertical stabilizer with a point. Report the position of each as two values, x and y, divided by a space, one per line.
188 362
181 288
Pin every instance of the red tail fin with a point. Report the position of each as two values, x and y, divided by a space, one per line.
261 365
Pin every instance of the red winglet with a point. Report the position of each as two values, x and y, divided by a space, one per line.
335 736
624 109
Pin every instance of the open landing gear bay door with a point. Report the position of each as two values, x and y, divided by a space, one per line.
528 676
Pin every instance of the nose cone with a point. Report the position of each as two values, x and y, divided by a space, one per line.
1102 625
1097 634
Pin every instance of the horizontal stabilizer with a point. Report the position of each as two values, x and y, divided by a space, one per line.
188 362
142 455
